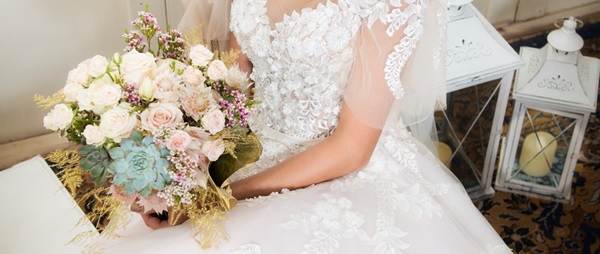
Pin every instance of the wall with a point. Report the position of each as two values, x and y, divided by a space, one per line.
44 39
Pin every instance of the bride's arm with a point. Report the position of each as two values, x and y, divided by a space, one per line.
348 149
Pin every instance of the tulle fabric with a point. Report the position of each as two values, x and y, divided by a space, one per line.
212 15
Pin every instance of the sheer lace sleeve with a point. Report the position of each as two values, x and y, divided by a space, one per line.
398 72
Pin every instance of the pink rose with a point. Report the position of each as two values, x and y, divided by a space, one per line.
213 149
59 118
158 114
117 123
214 121
93 135
178 141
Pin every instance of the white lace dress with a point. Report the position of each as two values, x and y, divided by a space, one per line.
401 202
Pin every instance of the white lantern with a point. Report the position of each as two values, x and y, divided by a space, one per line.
554 95
480 66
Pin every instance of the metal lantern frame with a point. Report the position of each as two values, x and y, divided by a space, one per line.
508 176
476 55
557 81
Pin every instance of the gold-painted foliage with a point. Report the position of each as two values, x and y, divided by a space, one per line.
193 36
230 57
71 174
50 101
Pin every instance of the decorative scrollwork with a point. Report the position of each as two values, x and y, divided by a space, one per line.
466 51
556 83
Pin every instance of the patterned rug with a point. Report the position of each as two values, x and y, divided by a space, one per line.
531 225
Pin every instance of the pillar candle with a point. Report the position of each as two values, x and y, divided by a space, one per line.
444 153
537 153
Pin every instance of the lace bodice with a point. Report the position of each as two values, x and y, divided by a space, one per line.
301 64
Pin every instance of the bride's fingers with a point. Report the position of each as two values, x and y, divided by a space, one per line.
154 222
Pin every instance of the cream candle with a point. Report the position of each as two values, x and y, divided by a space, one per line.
537 153
444 153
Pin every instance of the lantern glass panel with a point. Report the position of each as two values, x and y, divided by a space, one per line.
543 148
465 126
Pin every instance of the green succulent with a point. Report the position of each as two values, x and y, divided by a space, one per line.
139 166
95 160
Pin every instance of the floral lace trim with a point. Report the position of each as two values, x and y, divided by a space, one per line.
442 18
329 221
403 12
249 248
404 150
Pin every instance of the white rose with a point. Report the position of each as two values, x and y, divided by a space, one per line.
214 121
192 76
59 118
136 66
105 96
97 66
216 70
93 135
164 65
146 90
200 55
178 140
117 123
71 90
158 114
166 87
79 75
213 149
236 78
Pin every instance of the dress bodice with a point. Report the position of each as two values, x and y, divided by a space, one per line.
301 64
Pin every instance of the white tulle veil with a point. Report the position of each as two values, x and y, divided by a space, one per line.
212 16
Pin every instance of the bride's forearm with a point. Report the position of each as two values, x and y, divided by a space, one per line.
346 151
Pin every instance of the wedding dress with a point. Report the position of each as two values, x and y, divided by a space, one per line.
305 63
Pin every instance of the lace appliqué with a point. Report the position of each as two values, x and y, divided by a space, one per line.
402 12
442 18
249 248
301 64
329 221
404 151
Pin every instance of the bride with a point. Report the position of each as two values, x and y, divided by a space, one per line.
347 91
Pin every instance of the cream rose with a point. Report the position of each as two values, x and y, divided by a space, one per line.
236 78
214 121
79 75
158 114
213 149
93 135
117 123
192 76
178 141
164 65
105 96
97 66
59 118
71 90
200 55
136 66
217 70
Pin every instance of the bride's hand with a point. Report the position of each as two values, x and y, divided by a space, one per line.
156 221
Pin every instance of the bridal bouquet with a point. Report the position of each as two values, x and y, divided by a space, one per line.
162 130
